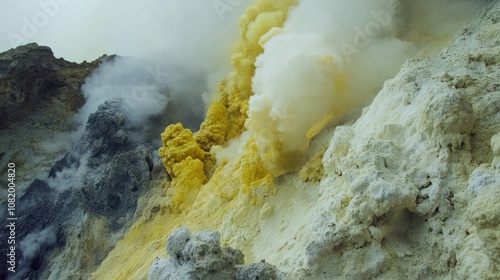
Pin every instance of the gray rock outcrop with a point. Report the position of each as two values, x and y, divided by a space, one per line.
201 257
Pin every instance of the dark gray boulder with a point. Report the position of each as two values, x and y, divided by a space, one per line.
107 131
116 191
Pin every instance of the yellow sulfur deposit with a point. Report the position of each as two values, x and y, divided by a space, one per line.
182 158
226 116
241 174
178 144
213 130
186 185
192 200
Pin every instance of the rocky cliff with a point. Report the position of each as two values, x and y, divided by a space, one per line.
74 198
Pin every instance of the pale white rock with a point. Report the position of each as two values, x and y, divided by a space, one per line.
412 187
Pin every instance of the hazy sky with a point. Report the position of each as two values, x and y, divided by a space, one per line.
85 29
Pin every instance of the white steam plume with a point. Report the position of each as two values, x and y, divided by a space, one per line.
144 94
440 17
328 57
197 41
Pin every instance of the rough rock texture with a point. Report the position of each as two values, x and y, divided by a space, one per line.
409 190
200 257
109 174
38 96
63 215
412 186
42 213
257 271
118 171
106 134
116 192
107 131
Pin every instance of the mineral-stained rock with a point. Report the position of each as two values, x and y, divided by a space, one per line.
257 271
106 134
42 212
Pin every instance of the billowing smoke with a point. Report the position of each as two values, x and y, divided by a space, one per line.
197 41
148 86
122 78
329 58
438 18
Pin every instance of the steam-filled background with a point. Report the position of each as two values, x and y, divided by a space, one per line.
84 30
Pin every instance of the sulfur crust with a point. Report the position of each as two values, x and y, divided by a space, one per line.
178 145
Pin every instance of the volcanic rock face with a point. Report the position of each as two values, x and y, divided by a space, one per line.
405 181
72 215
